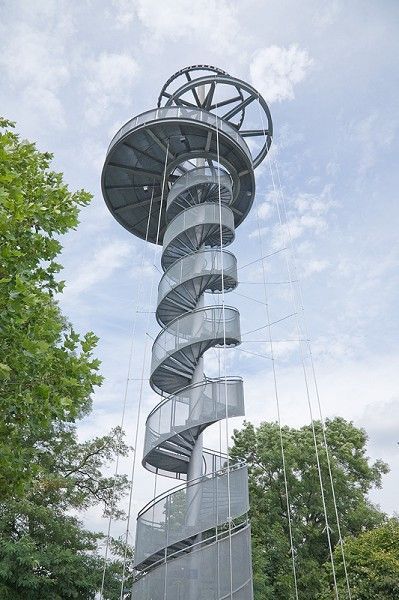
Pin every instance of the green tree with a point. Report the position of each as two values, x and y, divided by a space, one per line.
46 554
353 476
47 376
47 370
44 551
372 560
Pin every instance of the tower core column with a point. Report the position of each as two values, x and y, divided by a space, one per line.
182 175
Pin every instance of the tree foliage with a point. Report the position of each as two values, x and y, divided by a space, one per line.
353 477
47 376
47 369
44 551
372 561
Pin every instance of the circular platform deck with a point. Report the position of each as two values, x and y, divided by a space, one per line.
133 181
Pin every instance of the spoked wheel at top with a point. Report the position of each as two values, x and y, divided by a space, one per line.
231 99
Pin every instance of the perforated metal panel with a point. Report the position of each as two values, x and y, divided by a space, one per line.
200 225
171 519
183 175
178 347
193 407
192 275
172 113
203 574
196 187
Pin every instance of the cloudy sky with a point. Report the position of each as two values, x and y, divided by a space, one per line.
73 72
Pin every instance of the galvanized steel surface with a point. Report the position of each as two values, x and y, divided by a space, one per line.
182 176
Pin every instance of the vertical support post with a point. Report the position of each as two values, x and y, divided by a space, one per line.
196 464
213 192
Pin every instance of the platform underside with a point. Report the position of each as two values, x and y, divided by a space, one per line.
133 180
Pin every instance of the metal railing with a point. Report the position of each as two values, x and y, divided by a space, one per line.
189 114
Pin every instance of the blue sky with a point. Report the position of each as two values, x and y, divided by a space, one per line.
72 73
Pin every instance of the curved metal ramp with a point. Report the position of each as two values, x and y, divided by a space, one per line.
194 261
182 175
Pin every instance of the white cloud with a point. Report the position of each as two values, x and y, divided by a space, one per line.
48 104
306 218
145 269
295 227
110 72
381 420
27 60
122 13
309 215
41 57
101 266
370 145
332 168
93 153
208 21
35 63
337 346
275 70
109 81
284 349
265 210
316 204
371 270
311 266
326 13
370 284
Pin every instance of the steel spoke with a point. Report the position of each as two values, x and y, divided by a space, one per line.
160 143
254 132
143 152
198 101
181 102
239 107
131 186
135 170
139 204
225 102
194 91
209 96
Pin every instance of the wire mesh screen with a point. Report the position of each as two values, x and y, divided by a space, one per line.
191 275
198 507
197 186
194 406
195 226
203 574
212 324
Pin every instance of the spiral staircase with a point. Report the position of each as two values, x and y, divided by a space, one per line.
182 175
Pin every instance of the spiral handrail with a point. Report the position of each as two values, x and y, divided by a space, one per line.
197 230
184 177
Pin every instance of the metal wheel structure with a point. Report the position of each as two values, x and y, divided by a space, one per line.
187 74
186 171
232 100
175 90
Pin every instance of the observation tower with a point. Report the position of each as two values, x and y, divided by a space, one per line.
182 176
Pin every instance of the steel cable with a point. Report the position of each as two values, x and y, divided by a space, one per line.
128 379
315 442
224 362
322 420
